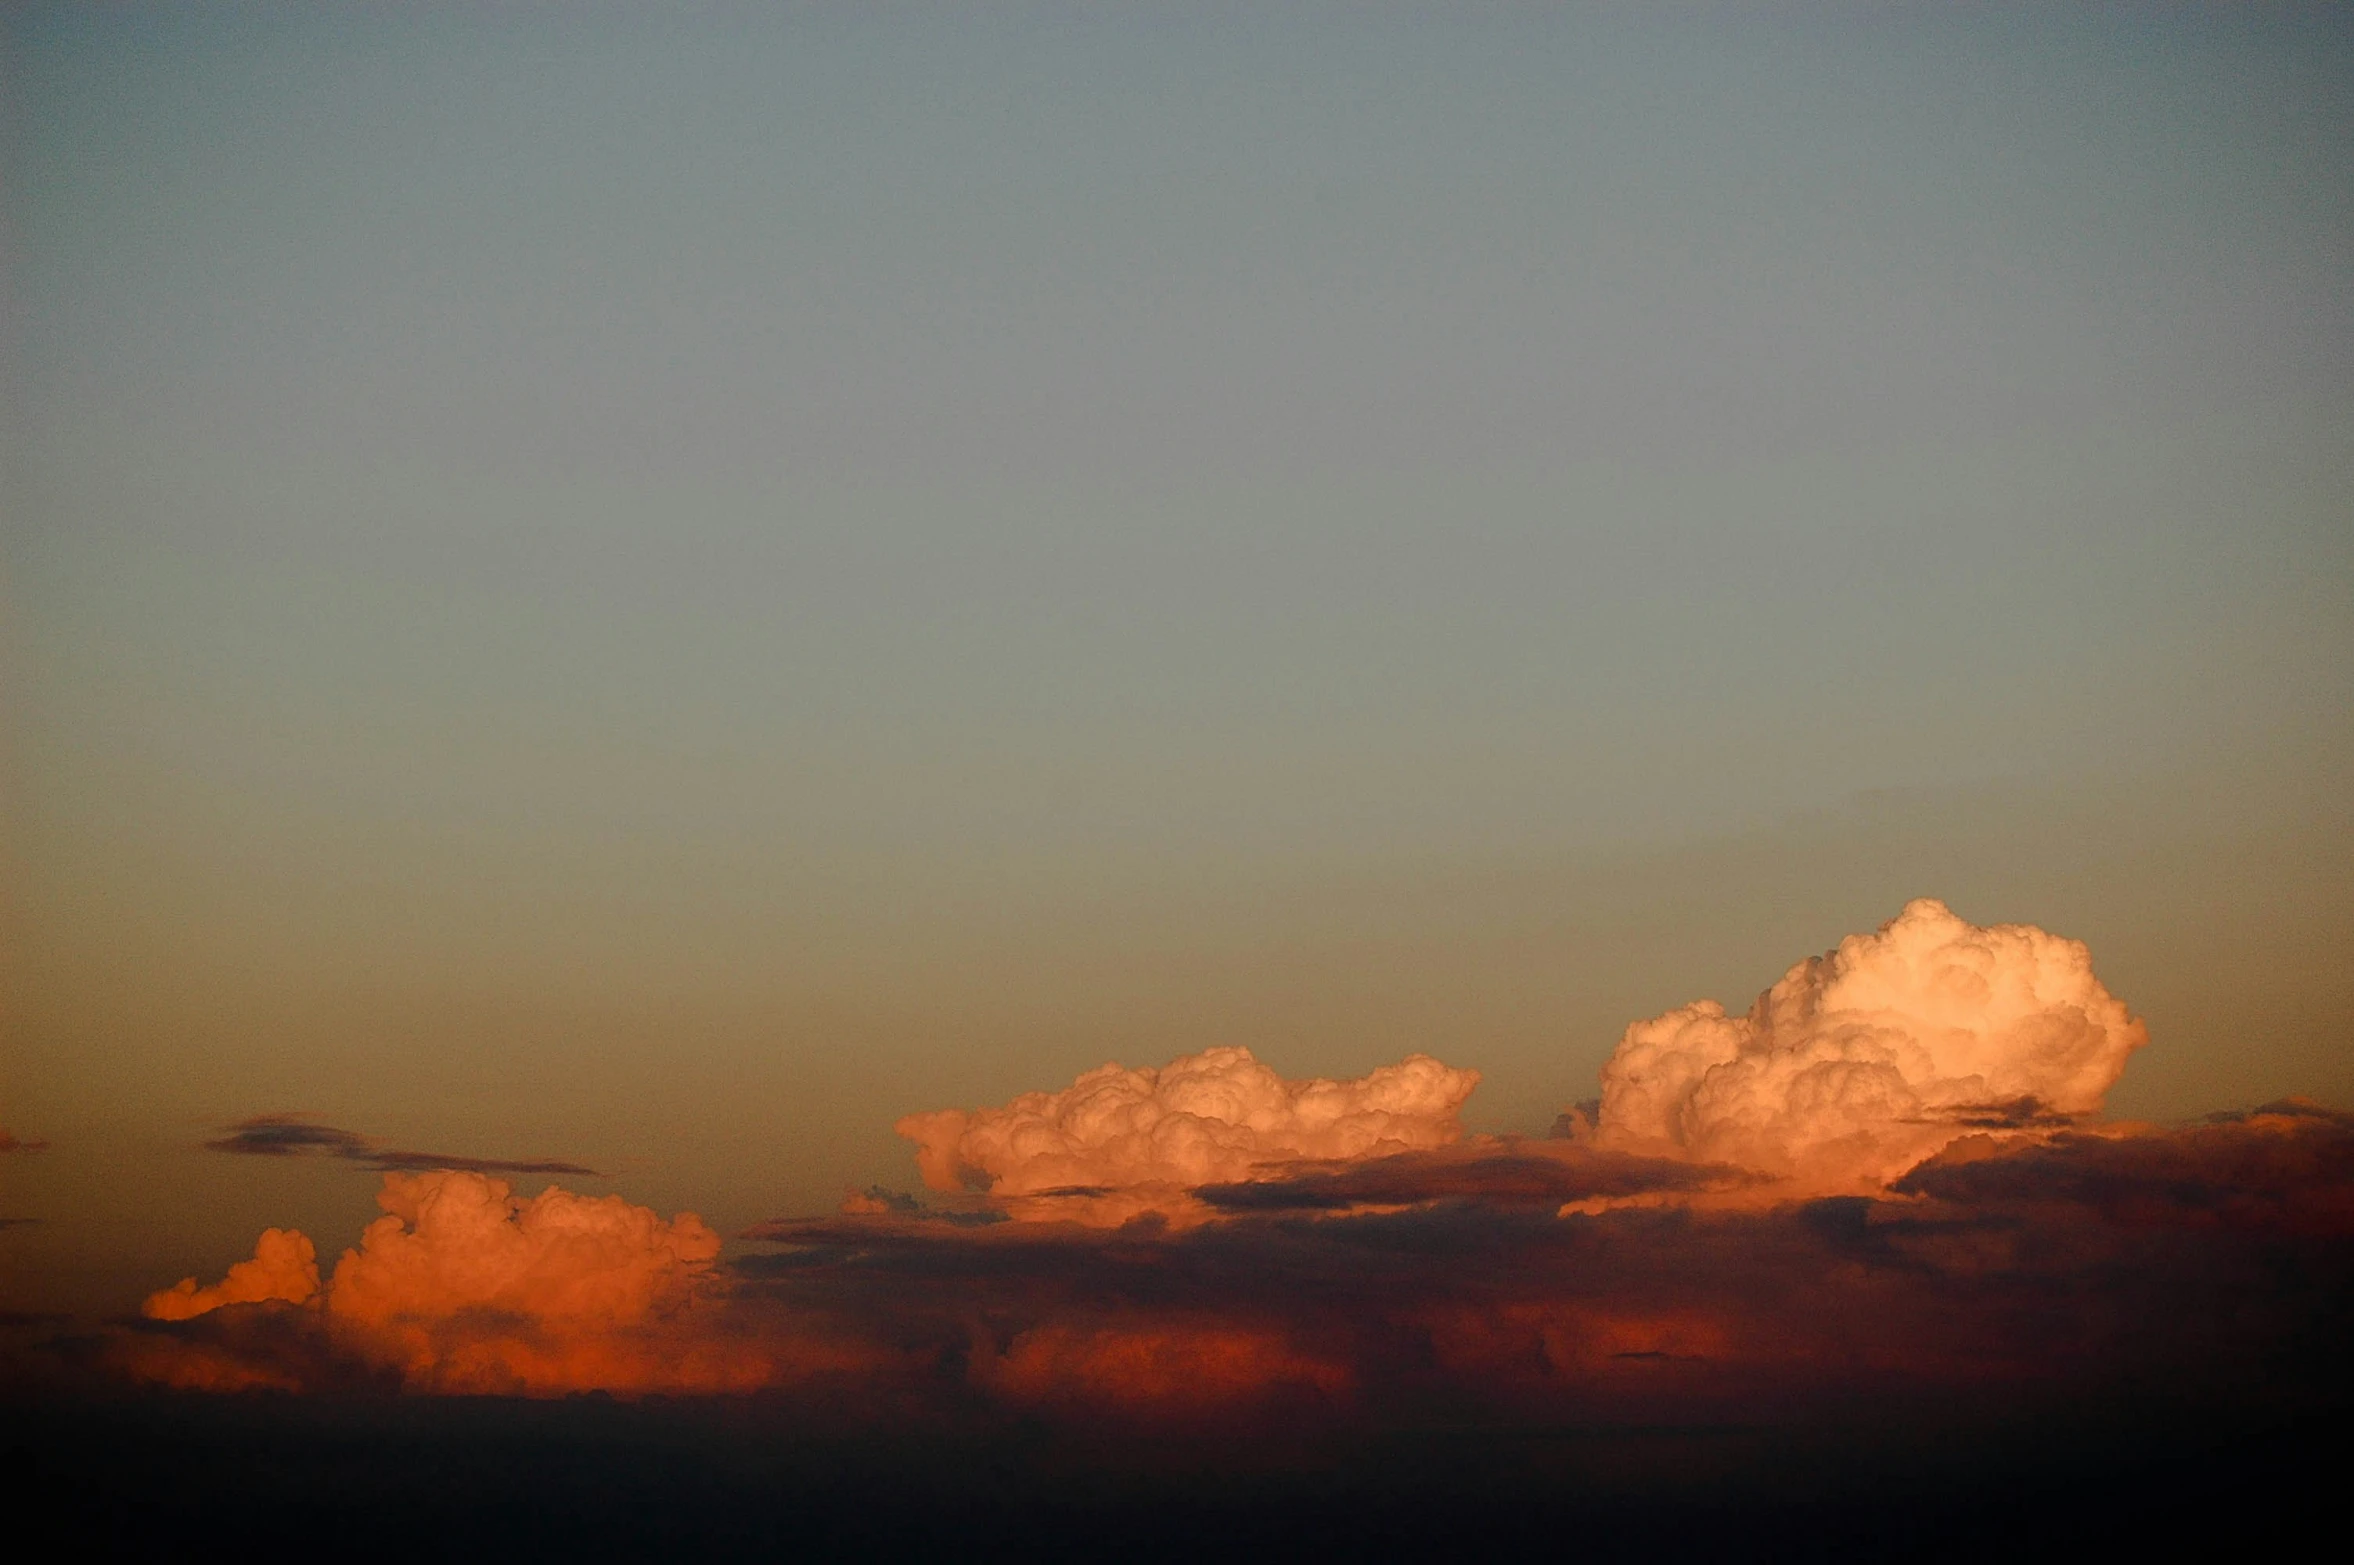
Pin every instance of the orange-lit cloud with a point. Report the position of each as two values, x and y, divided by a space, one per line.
1860 1063
1119 1142
284 1269
464 1286
1157 1366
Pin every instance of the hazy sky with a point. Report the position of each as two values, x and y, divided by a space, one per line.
662 591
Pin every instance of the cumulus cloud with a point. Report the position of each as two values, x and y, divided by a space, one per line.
284 1269
1860 1063
292 1135
464 1286
1118 1142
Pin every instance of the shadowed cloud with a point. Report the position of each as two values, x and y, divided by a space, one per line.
291 1135
1507 1173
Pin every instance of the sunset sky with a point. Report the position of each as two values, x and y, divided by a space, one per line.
661 592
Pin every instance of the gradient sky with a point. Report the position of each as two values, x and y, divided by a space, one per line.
662 591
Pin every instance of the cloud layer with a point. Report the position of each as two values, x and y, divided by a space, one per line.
1860 1063
1882 1184
464 1286
2214 1260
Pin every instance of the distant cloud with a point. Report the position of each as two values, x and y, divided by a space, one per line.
1119 1142
1859 1064
284 1269
1885 1182
463 1286
1503 1174
2009 1265
291 1135
876 1201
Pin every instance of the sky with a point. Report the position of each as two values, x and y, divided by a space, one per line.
662 591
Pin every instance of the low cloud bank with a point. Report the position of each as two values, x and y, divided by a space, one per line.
1886 1180
2212 1260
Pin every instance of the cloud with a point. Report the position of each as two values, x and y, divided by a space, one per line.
1860 1063
1497 1173
1883 1185
291 1135
284 1269
1119 1142
876 1201
464 1286
2211 1260
2009 1269
1156 1366
2285 1167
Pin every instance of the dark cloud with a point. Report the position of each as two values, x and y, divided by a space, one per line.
2213 1257
2014 1271
1495 1173
2019 1113
291 1135
878 1199
2285 1166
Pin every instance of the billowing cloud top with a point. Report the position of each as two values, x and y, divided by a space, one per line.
1218 1117
1860 1063
455 1241
284 1270
464 1286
